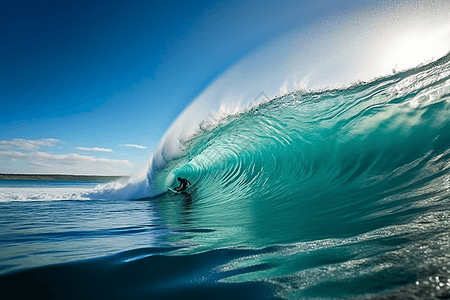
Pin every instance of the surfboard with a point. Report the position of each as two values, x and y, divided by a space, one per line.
171 189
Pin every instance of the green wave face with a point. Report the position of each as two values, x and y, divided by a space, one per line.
318 171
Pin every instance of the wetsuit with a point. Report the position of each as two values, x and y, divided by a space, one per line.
183 185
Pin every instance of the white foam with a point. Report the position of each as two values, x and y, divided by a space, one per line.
134 187
44 194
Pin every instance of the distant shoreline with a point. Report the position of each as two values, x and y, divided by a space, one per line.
59 177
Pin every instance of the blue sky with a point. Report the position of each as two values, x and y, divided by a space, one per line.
90 87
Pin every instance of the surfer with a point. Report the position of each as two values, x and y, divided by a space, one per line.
184 183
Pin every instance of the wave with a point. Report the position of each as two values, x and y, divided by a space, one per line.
368 134
357 180
347 187
391 130
332 53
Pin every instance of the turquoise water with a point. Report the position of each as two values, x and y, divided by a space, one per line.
338 193
351 186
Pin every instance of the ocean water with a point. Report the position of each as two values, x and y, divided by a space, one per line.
340 193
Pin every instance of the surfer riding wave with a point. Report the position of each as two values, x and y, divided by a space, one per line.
184 184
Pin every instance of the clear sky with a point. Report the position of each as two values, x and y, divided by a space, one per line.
90 87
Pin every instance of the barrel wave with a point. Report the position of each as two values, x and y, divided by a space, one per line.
340 193
346 191
333 148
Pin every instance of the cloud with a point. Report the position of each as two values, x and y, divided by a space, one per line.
41 164
66 159
133 146
27 144
97 149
